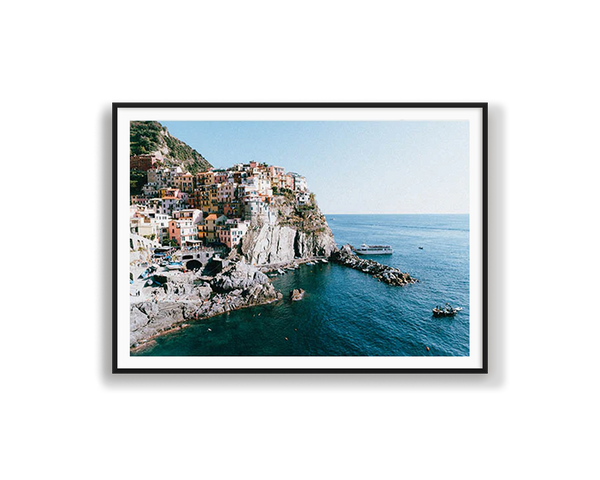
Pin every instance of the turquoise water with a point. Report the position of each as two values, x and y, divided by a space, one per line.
346 312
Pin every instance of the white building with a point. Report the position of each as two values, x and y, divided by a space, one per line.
300 184
160 223
166 206
226 191
192 214
237 232
302 198
263 185
259 211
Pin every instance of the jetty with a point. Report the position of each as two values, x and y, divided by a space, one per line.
390 275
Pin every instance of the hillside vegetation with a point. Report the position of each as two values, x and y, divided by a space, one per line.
152 137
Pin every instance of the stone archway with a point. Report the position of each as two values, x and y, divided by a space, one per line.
193 265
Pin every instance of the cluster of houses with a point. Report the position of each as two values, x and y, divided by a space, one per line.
211 207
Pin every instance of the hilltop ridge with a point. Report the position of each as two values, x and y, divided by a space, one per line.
152 138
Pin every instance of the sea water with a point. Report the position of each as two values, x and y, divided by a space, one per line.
347 312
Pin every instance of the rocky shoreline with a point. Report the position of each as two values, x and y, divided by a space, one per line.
386 274
183 297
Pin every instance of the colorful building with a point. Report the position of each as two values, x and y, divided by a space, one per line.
184 182
183 231
212 222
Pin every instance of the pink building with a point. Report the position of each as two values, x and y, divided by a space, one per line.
232 232
226 192
221 176
182 231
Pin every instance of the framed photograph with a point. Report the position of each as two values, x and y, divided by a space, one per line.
300 238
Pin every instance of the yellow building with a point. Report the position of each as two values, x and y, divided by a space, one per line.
184 182
213 199
212 224
211 227
205 178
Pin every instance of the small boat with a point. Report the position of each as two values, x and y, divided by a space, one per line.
447 311
324 260
420 248
365 249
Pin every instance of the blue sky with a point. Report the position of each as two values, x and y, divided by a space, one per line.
352 167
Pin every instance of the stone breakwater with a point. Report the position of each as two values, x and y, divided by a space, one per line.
188 296
385 273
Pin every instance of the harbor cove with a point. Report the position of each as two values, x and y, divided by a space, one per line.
344 311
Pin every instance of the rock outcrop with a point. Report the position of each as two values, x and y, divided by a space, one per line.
184 297
297 294
239 276
390 275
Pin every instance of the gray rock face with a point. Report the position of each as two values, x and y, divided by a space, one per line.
267 244
315 244
275 244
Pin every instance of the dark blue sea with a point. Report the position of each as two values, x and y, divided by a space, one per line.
347 312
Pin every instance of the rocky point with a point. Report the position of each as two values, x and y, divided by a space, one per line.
390 275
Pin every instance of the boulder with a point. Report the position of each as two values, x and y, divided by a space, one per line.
241 276
203 291
296 294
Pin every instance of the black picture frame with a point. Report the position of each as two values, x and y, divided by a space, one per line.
478 106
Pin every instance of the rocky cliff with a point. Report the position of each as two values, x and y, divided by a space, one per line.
298 232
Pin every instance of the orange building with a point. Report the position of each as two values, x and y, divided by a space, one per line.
182 231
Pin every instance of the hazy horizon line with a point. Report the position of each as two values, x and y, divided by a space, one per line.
404 213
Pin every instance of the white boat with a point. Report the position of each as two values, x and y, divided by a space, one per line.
374 250
447 311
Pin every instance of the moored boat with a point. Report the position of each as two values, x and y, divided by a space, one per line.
446 311
365 249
